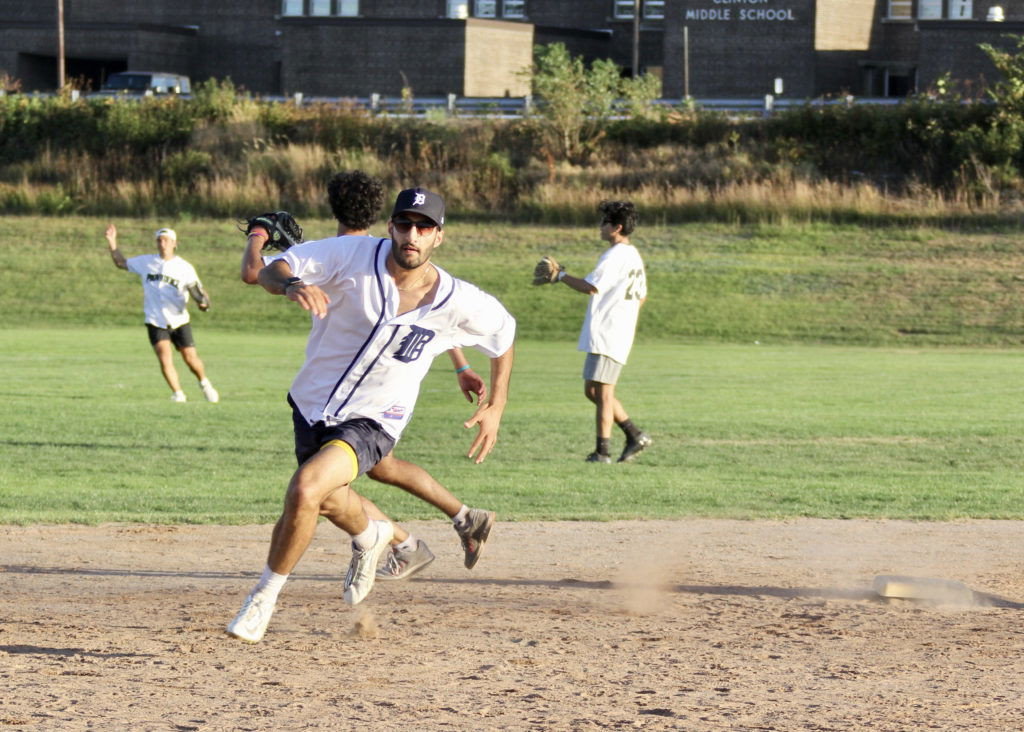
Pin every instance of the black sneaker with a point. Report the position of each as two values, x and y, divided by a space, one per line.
596 457
635 447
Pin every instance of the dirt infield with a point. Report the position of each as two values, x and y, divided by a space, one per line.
649 625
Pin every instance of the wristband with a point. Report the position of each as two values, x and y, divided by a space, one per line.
561 275
462 368
292 281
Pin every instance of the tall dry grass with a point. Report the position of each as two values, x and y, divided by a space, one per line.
241 159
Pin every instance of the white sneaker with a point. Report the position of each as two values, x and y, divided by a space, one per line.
362 570
179 396
252 620
210 393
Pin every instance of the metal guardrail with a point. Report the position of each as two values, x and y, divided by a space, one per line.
453 105
517 107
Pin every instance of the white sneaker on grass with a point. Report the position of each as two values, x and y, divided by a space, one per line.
362 570
179 396
252 620
210 393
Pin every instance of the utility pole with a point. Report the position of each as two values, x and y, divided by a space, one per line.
686 62
60 44
636 39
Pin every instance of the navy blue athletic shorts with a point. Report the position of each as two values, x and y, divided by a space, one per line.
365 436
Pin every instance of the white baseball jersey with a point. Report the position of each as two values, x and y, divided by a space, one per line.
363 359
612 312
165 284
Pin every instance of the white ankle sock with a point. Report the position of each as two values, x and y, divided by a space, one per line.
460 518
367 537
270 584
408 545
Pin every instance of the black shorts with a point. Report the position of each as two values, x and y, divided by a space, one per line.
365 436
180 337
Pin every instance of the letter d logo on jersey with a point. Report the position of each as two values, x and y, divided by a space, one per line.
412 345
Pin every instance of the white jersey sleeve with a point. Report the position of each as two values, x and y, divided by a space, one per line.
138 265
325 261
488 327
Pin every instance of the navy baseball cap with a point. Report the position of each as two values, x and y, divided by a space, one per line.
421 201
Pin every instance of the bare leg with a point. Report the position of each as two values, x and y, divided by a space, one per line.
326 474
165 355
333 510
609 409
413 479
194 363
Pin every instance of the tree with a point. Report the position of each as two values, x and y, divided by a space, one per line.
1008 93
575 103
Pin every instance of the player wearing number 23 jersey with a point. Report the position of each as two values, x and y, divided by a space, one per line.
612 311
616 290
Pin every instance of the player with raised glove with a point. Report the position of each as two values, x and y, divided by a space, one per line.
281 228
548 271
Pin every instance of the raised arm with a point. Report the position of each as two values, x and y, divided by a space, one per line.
488 415
252 257
115 254
277 279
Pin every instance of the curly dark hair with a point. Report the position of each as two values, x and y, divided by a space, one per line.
356 198
619 213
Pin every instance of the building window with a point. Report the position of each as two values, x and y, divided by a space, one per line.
458 9
654 9
929 9
514 9
348 8
623 9
485 8
961 9
291 7
319 7
901 9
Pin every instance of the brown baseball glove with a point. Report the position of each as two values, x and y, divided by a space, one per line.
546 271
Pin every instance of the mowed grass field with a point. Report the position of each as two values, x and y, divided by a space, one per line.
89 434
783 371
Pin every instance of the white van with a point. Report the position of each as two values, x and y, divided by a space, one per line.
146 83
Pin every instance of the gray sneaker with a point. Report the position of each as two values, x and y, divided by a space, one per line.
474 533
399 565
596 457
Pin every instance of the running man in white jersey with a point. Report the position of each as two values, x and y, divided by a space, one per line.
617 288
382 312
356 201
167 282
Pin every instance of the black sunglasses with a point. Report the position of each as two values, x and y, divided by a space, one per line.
404 226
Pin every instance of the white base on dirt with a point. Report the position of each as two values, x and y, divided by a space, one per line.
923 588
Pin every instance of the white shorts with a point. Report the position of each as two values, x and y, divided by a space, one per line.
601 369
